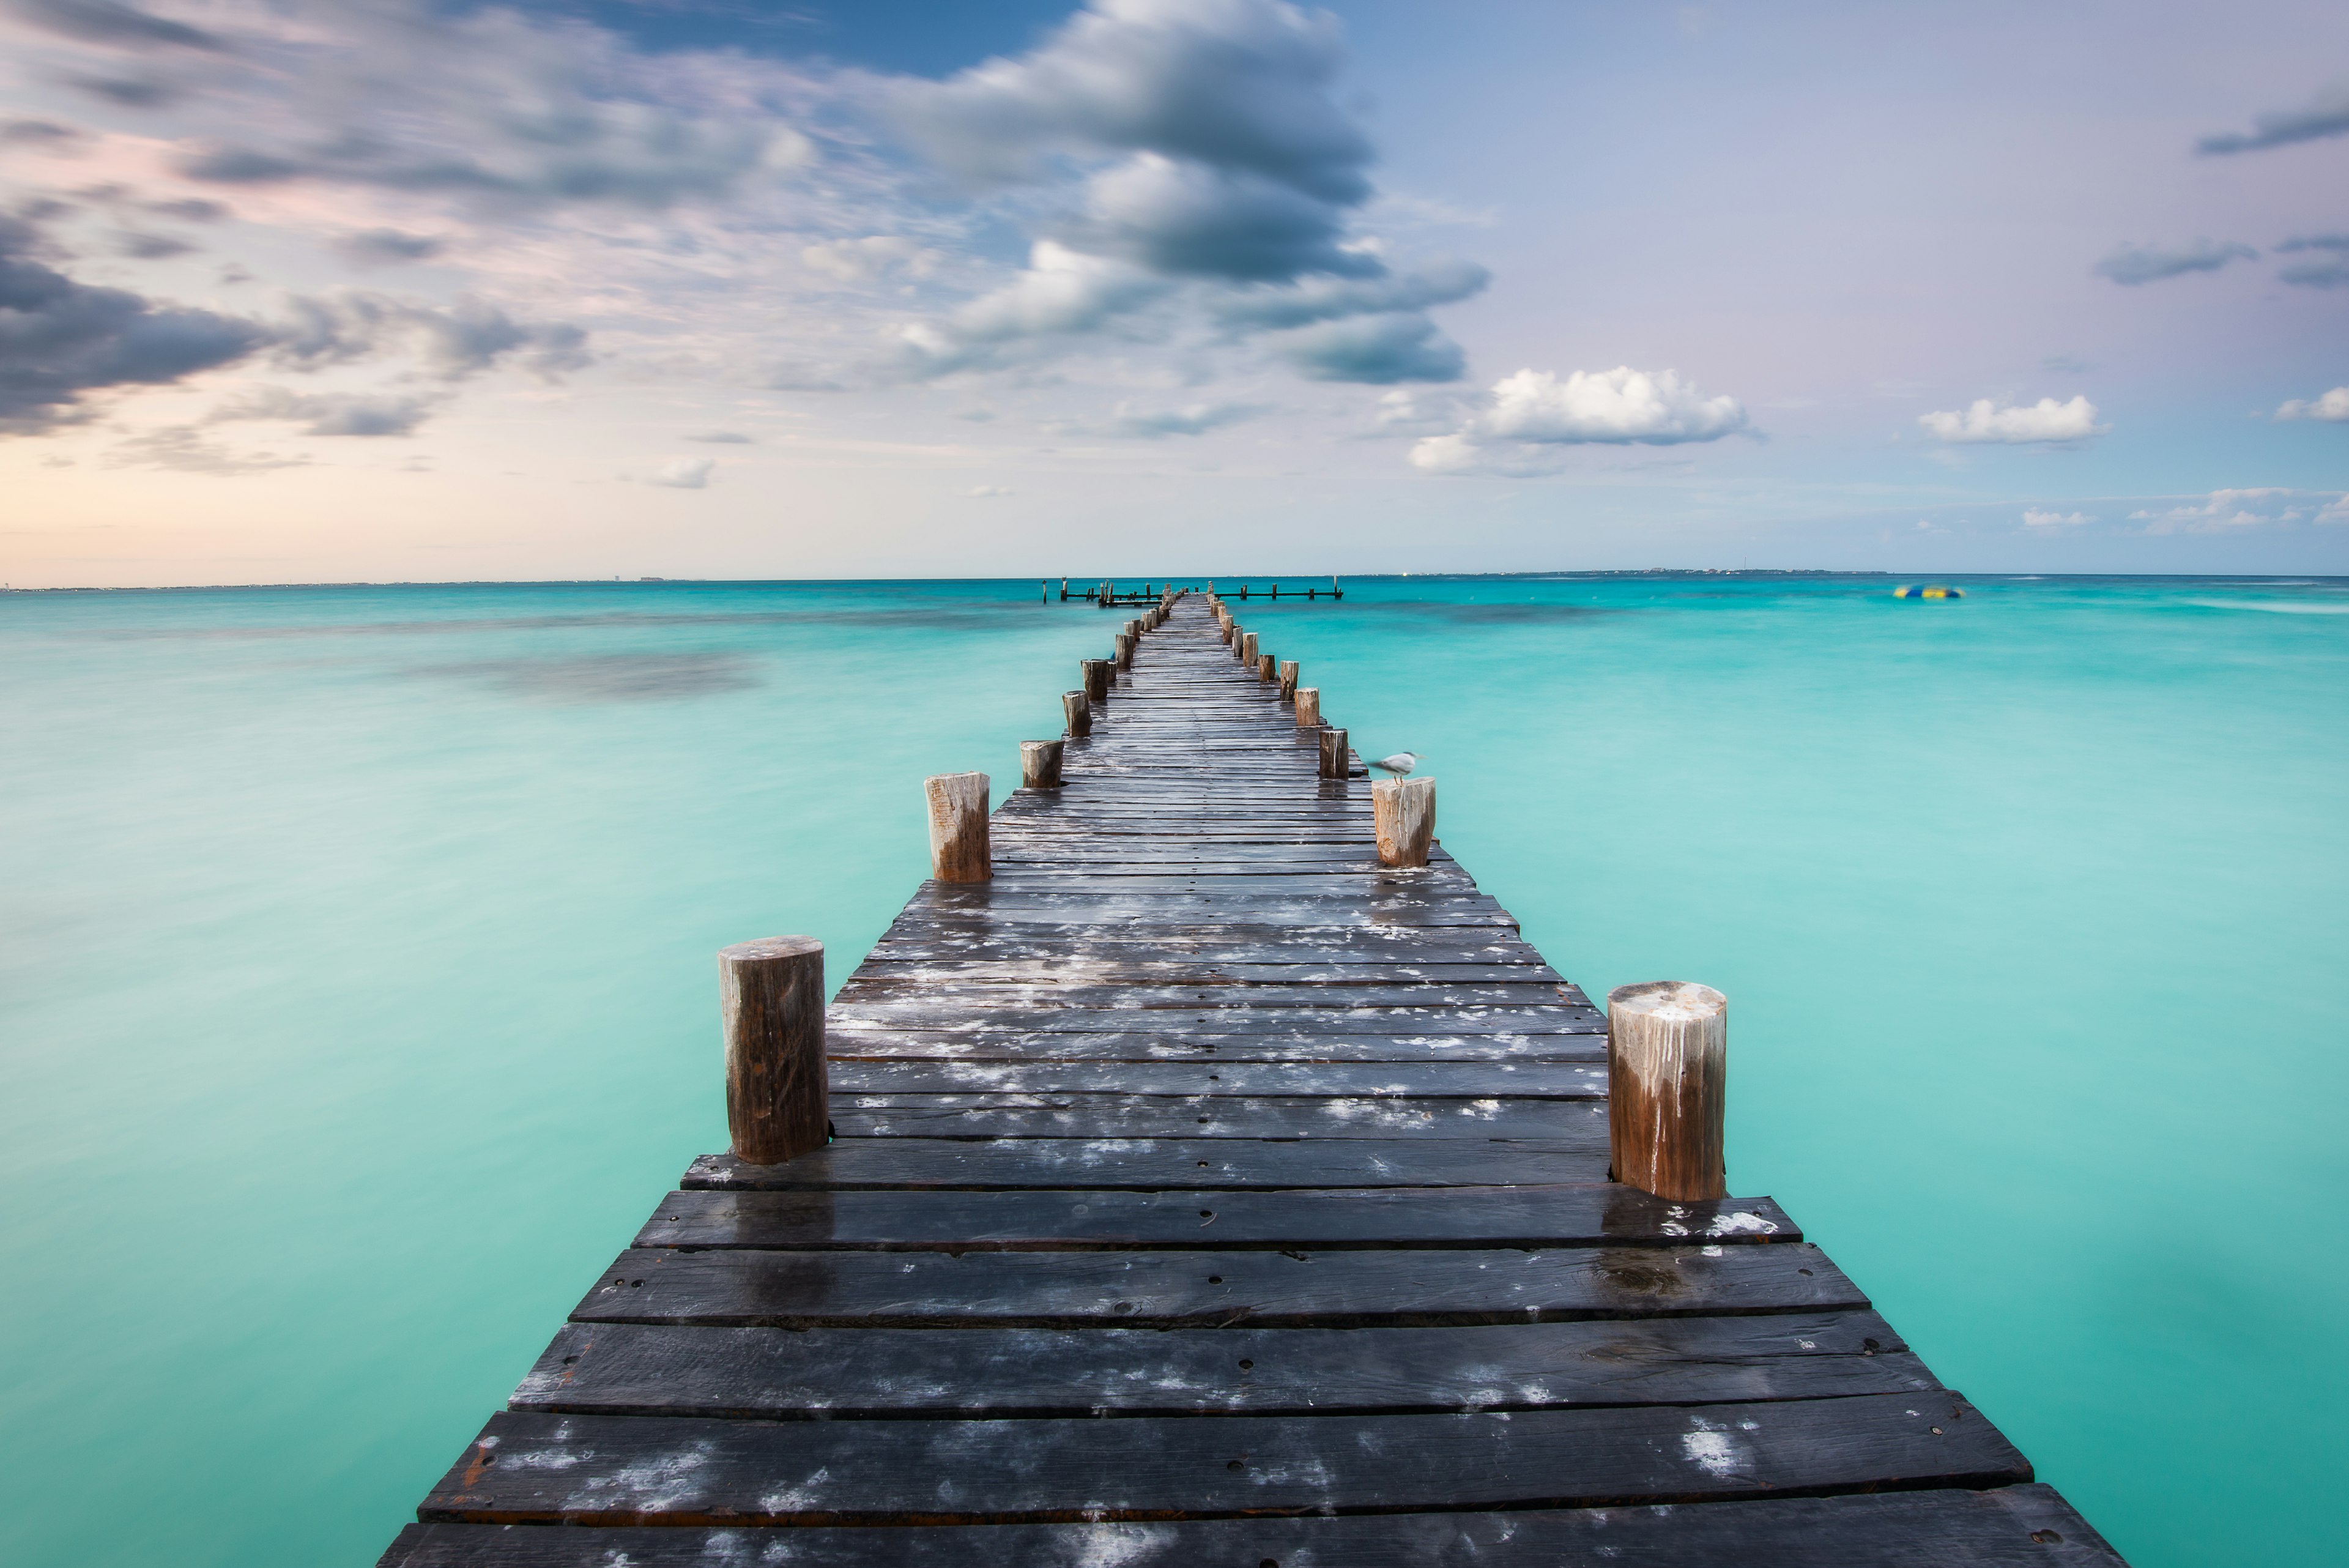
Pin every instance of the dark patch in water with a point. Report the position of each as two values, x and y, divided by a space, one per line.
962 616
608 677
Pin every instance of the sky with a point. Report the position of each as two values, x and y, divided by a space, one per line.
382 290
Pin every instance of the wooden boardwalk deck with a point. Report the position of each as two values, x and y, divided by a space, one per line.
1206 1194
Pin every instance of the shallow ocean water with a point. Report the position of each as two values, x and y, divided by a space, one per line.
356 998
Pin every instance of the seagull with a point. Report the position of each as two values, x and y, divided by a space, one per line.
1398 764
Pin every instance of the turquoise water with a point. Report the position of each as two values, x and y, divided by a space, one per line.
356 997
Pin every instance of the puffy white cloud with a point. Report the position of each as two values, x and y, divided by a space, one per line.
684 473
1063 293
2035 518
2327 114
2017 424
2133 263
1615 407
2333 408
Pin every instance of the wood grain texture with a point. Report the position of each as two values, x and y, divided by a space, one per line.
771 1006
957 808
1667 1070
2027 1526
528 1468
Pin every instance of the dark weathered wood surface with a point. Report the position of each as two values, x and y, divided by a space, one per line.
1292 1164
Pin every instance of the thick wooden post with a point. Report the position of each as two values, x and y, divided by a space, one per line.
770 1002
1079 709
1308 706
1098 674
1405 810
1667 1085
1264 667
958 851
1288 680
1333 754
1125 650
1248 651
1039 763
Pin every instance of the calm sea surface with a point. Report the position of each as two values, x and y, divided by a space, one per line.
357 999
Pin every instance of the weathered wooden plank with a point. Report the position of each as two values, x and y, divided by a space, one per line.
892 973
632 1369
885 1164
1368 1217
1580 1125
1521 1080
1158 1046
944 1017
2027 1526
882 996
528 1468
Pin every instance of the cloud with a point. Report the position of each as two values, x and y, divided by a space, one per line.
1376 349
863 260
108 22
61 339
500 111
2330 269
1442 281
1616 408
460 340
1236 85
1212 167
2332 408
334 414
140 246
184 448
378 247
684 473
2135 264
44 134
723 438
2327 114
2234 511
989 492
1198 419
2018 424
2034 518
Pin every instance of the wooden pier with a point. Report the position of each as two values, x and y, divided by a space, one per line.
1206 1189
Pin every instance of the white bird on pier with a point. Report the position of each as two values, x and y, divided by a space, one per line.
1398 764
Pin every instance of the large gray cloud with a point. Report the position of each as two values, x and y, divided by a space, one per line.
1376 349
61 339
2325 114
1223 172
2135 264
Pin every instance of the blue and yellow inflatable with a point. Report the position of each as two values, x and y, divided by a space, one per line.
1928 591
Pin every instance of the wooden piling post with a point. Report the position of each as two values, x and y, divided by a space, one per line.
1667 1086
1333 754
1125 651
1248 651
1288 680
771 1004
1098 674
958 849
1079 709
1264 667
1308 706
1039 763
1404 811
